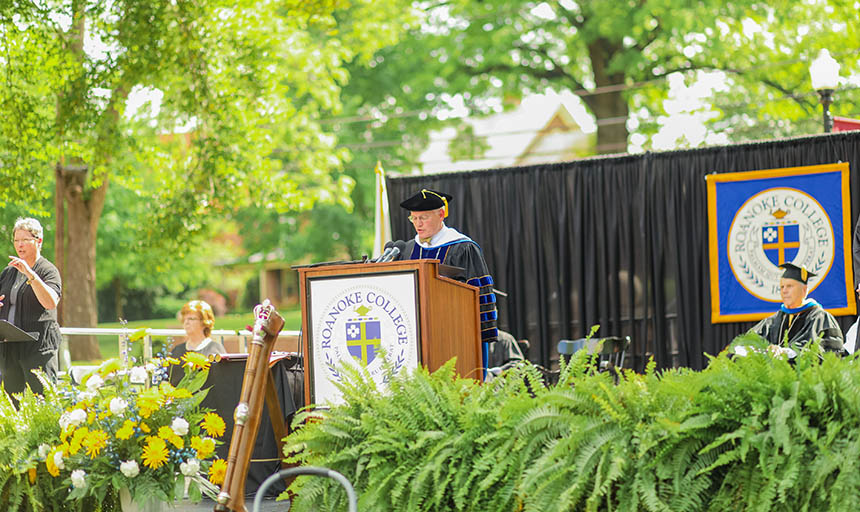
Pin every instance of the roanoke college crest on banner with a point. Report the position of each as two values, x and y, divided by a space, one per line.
758 220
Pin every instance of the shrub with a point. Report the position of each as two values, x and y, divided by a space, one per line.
757 433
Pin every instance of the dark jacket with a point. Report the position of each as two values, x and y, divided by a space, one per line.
806 326
30 315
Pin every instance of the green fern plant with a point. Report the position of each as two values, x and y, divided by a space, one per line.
748 434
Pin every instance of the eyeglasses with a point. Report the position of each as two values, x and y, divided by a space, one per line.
23 240
419 218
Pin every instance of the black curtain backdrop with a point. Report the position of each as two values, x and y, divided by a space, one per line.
617 241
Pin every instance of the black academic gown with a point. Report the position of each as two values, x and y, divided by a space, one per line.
464 253
808 325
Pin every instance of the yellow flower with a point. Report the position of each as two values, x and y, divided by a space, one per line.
145 428
168 434
51 461
196 360
149 401
170 360
94 442
126 431
167 391
154 453
77 439
217 471
204 447
109 366
213 424
32 474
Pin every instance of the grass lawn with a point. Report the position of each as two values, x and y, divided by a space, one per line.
109 345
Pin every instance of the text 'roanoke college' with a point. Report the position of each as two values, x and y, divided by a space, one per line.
352 300
796 204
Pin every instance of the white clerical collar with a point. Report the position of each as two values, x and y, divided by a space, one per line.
444 236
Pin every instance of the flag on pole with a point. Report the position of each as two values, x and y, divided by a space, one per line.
382 232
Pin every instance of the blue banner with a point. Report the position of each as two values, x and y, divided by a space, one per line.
758 220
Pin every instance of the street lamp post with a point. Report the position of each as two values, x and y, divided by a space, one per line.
824 71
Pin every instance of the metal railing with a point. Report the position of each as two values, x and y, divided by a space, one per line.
122 335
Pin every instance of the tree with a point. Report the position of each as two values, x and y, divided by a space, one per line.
240 84
615 55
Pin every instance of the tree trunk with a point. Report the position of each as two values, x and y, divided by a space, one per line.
608 105
79 286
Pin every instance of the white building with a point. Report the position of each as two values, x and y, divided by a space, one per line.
541 129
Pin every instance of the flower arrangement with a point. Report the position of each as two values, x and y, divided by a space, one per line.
122 428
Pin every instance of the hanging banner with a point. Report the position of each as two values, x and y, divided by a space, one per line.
758 220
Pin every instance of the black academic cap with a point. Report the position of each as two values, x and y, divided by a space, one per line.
426 200
792 271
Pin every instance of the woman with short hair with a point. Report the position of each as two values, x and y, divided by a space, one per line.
197 320
30 290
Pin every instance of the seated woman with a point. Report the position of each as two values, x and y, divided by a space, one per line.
197 320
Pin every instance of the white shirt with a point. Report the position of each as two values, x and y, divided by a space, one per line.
851 338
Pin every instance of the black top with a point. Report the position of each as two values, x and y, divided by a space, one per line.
30 315
802 328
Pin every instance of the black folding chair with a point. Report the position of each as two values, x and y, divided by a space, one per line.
307 470
610 350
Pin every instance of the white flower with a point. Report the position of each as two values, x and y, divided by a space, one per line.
190 468
86 395
129 468
138 375
150 366
79 479
72 418
179 426
94 382
43 450
58 460
118 405
64 421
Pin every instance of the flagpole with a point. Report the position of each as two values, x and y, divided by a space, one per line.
382 220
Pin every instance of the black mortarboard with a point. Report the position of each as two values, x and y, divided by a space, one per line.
792 271
426 200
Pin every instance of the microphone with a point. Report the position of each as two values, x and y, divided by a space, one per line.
388 246
395 251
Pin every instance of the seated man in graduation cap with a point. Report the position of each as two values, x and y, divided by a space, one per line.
434 240
802 318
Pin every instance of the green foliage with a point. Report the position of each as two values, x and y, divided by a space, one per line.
75 447
22 430
756 433
618 56
190 110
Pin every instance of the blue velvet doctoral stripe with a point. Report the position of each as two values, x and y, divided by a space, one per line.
438 252
481 281
806 305
489 316
432 253
487 298
490 333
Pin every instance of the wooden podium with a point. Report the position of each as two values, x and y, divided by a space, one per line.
406 305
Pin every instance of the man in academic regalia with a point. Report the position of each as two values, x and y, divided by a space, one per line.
802 318
434 240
